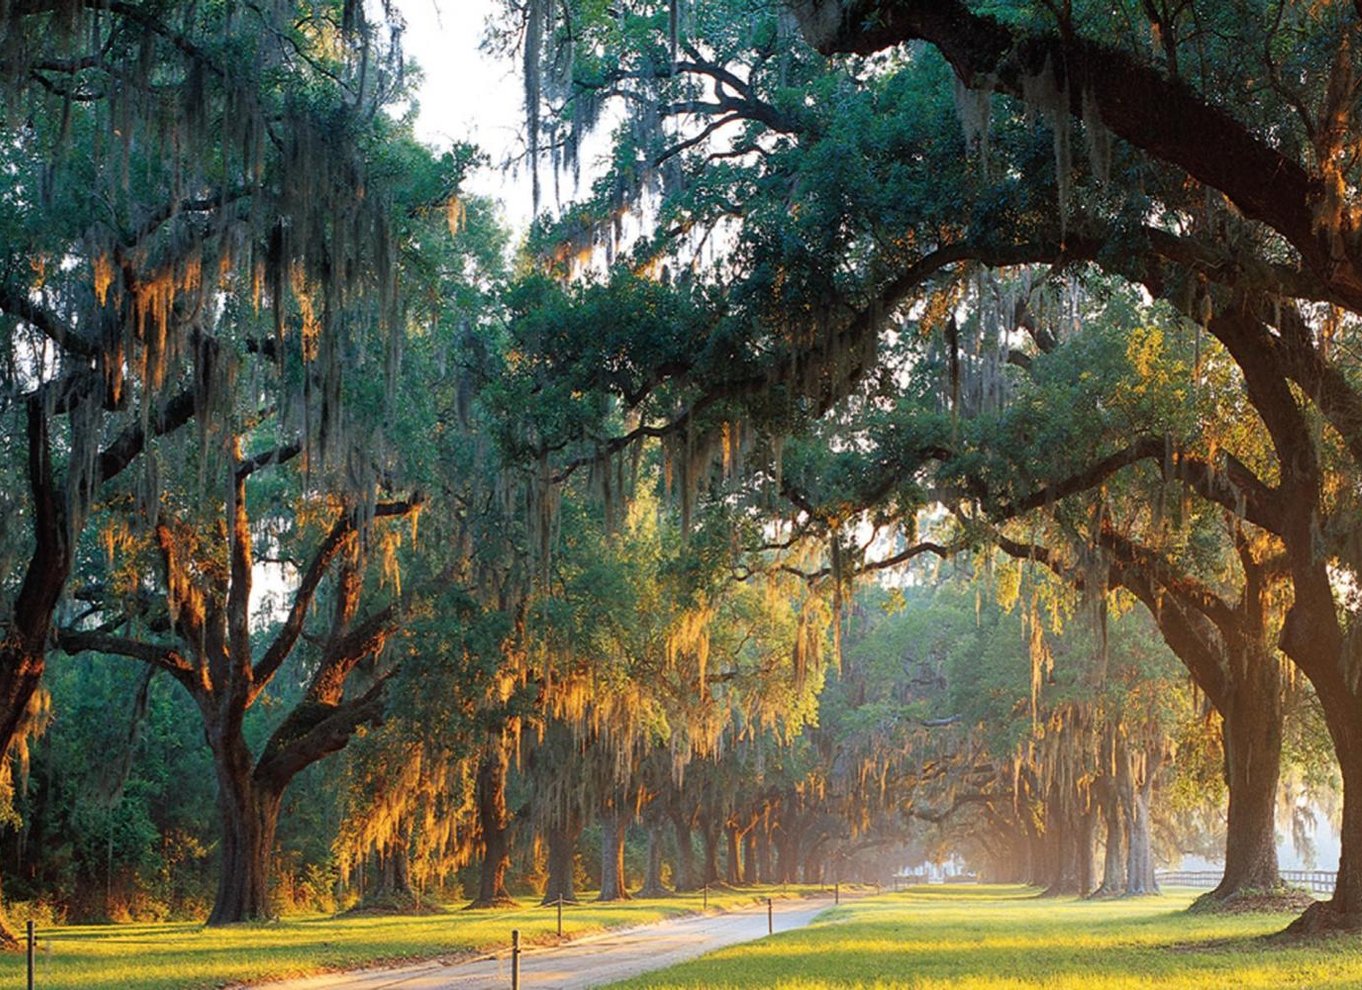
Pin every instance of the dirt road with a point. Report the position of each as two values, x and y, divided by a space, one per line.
589 962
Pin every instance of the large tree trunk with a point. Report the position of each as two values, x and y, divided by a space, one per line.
393 886
750 877
249 816
709 833
1253 749
23 651
1251 723
685 853
494 823
1114 856
562 841
652 880
1140 855
1343 911
614 825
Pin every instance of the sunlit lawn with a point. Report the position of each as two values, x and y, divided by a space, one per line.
1005 938
188 956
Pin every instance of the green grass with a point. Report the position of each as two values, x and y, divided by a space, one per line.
1006 938
190 957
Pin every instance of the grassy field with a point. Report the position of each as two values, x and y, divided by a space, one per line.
1005 938
189 957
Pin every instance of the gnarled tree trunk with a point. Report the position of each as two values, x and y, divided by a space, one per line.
1253 749
685 852
652 879
614 825
1109 807
562 841
249 815
494 826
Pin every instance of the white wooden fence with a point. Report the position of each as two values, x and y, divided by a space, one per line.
1315 881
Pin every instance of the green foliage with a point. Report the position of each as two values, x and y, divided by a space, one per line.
119 807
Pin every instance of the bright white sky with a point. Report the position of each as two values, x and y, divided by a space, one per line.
467 95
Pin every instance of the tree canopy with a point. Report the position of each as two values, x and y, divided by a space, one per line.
933 425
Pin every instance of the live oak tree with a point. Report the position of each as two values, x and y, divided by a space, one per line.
325 524
211 651
1212 585
158 162
1158 129
1296 238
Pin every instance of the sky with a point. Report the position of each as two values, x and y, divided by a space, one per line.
467 95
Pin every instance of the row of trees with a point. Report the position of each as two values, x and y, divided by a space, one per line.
1166 408
1024 780
572 542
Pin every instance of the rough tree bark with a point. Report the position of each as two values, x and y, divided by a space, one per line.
685 851
750 876
562 860
494 825
1108 801
614 825
1252 728
652 878
249 816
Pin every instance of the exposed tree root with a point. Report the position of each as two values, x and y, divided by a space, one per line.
1322 918
502 901
1281 897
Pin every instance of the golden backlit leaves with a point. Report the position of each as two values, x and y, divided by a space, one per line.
311 324
456 215
104 276
154 300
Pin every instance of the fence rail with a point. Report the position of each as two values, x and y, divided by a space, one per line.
1315 881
